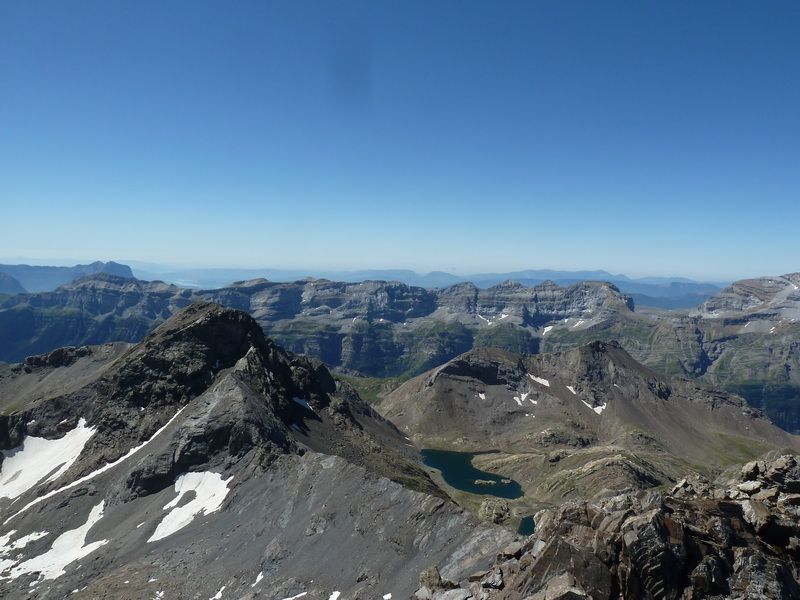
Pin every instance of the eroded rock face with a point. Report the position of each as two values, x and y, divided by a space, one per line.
377 328
699 541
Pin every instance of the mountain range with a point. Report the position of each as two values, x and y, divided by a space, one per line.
743 339
208 462
16 279
658 292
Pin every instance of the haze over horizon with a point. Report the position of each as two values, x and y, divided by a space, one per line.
643 139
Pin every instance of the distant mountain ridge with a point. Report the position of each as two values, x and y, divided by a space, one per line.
9 285
658 292
372 327
36 278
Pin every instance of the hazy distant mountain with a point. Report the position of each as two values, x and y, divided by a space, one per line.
657 292
9 285
36 278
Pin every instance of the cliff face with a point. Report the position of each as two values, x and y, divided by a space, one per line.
374 328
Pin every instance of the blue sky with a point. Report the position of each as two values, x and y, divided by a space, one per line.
656 138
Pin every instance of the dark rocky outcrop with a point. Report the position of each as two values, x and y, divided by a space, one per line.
740 539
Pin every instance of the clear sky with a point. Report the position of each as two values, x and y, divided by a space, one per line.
645 137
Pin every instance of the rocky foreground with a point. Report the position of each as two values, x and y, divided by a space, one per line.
737 540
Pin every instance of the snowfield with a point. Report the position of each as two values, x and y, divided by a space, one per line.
209 490
39 460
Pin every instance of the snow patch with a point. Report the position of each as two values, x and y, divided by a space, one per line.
7 549
579 323
482 396
210 491
39 459
387 597
547 330
598 409
300 595
522 397
94 474
539 380
218 595
334 596
572 389
67 548
259 577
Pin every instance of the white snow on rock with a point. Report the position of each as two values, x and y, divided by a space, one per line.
547 329
67 548
210 491
300 595
572 389
482 396
6 549
579 323
259 577
95 473
598 409
218 595
539 380
502 316
334 596
387 597
41 460
517 400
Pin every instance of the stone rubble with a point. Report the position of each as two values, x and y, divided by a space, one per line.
739 540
